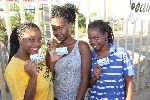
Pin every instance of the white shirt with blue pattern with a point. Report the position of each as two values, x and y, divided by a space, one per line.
111 84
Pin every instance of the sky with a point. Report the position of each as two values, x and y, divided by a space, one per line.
120 8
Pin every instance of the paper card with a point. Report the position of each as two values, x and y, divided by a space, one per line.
37 57
61 51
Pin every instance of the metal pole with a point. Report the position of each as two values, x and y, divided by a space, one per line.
98 10
105 10
49 5
109 8
76 24
146 63
36 16
87 17
7 20
126 36
2 86
133 40
22 12
138 67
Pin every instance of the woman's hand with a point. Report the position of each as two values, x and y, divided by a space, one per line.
97 71
52 52
30 68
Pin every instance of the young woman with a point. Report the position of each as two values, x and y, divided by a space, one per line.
72 69
26 79
112 68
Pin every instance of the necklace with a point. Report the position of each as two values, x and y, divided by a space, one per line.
103 61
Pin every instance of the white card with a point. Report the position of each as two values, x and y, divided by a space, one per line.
37 57
61 51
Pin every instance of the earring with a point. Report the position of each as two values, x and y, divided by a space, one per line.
106 39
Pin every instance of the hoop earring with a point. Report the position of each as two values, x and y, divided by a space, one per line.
106 39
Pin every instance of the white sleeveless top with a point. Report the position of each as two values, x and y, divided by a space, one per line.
68 75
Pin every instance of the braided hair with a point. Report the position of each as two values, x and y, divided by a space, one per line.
103 27
67 11
14 43
18 32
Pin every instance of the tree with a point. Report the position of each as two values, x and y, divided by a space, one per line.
81 23
81 20
93 14
15 19
3 34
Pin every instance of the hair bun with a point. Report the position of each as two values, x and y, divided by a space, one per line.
72 9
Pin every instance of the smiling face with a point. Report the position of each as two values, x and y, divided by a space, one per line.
30 41
61 28
96 38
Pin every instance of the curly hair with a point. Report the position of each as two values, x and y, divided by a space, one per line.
67 11
103 27
17 32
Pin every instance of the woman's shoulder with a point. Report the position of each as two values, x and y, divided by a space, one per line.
83 44
15 69
84 48
15 64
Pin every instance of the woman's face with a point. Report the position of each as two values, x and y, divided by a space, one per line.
96 39
30 41
61 28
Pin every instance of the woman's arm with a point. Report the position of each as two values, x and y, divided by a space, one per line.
129 86
128 72
51 56
31 89
30 68
92 81
85 69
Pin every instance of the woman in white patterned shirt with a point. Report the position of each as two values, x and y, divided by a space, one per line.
71 70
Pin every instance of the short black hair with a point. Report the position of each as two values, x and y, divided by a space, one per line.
67 11
104 27
17 31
